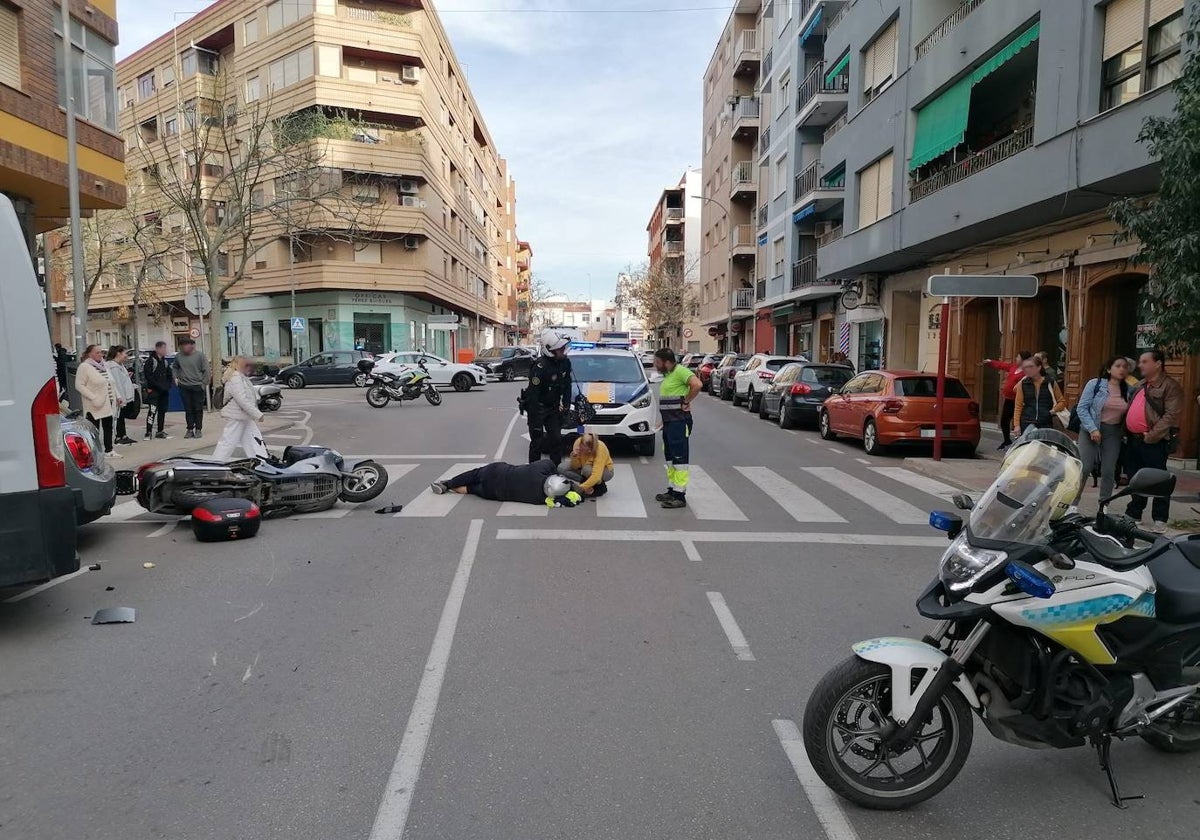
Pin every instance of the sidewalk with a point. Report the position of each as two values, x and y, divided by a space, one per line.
147 451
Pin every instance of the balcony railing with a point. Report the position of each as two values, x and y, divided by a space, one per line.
743 237
830 236
767 63
743 298
746 108
836 19
835 126
760 290
947 26
743 175
763 215
764 141
815 83
804 273
807 181
748 41
673 247
674 214
1016 142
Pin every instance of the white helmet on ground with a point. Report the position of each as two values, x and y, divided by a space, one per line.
552 341
556 486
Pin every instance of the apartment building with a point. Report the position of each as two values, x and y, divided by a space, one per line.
988 137
729 179
33 98
674 249
398 133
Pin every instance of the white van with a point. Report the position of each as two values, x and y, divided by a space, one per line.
37 508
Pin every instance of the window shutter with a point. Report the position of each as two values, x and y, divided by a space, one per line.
885 186
1122 25
869 67
885 54
868 195
10 48
1160 10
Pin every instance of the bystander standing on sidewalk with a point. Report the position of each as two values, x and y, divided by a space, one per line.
1103 404
1038 398
193 375
157 375
126 395
96 393
1012 375
1152 424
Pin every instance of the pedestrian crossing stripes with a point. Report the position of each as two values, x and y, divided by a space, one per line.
430 503
708 501
800 505
895 509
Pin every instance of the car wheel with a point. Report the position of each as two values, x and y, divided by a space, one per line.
825 427
508 375
360 380
785 422
763 414
462 382
752 400
871 439
295 380
737 401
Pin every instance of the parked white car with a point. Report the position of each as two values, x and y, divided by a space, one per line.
459 376
754 379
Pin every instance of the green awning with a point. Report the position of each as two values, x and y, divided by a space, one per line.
837 69
942 124
783 311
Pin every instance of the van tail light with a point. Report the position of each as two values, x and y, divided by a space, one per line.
892 406
80 450
47 437
766 375
973 408
800 389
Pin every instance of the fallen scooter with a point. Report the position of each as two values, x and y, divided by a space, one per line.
267 393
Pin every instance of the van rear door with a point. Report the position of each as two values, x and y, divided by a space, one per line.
37 508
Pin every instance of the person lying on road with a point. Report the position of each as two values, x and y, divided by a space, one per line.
534 484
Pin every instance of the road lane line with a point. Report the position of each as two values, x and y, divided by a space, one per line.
790 537
799 504
836 450
29 593
522 509
275 436
165 529
918 482
829 812
689 548
507 434
708 501
895 509
392 815
624 498
431 504
862 460
397 471
737 641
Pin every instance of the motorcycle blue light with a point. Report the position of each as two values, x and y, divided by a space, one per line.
1029 580
943 521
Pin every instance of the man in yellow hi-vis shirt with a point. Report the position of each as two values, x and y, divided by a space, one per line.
676 392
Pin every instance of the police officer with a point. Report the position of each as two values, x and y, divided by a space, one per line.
547 397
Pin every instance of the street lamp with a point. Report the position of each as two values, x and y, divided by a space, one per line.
729 263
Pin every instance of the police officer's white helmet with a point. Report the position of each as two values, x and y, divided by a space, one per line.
556 486
552 341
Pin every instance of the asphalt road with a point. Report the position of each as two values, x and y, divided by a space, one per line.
467 670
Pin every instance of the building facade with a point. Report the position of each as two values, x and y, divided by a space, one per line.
673 249
33 98
398 133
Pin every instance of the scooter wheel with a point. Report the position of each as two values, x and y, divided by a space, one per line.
272 403
434 396
364 483
377 397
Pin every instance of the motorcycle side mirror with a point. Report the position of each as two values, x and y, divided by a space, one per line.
963 502
1151 482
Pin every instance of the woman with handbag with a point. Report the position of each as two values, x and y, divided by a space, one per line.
1038 398
1101 410
126 394
96 393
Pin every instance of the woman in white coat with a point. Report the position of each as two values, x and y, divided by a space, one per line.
241 414
96 393
122 388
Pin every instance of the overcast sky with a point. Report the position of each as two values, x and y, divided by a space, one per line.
596 113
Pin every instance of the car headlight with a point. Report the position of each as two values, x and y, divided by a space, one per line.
643 401
963 565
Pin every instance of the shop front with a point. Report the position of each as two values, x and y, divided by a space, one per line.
764 332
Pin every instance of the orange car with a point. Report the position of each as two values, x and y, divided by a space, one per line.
886 407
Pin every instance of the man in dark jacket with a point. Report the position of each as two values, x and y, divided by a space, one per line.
534 484
1152 423
156 373
547 397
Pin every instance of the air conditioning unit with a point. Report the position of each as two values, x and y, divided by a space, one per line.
409 187
411 243
410 201
410 73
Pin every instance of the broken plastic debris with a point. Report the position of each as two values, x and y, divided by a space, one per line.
114 615
95 567
147 565
390 509
109 588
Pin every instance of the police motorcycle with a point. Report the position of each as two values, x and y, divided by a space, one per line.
1053 628
409 384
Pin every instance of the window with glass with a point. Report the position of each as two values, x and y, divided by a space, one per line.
253 89
10 46
283 13
93 63
879 61
145 85
291 69
1142 48
250 30
197 60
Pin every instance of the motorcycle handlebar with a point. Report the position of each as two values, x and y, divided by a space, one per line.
1124 527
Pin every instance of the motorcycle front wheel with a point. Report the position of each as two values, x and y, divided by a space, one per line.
842 724
1178 731
364 483
377 397
434 396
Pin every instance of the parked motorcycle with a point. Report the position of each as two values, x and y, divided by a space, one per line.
409 384
1054 629
305 480
268 395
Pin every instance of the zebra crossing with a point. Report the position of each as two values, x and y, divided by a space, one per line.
721 495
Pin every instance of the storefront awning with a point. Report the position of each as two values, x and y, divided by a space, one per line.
812 27
942 124
783 310
803 213
837 69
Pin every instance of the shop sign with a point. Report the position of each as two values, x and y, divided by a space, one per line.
373 298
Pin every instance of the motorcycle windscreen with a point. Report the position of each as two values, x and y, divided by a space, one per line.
1036 485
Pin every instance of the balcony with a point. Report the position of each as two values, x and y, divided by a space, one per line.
748 55
764 73
743 299
745 116
742 177
831 235
946 26
743 243
763 215
821 97
810 188
673 248
673 215
804 273
835 126
836 19
764 142
1013 144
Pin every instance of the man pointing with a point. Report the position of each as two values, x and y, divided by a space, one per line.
676 392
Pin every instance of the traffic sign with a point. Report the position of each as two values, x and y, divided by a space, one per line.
983 285
198 302
441 319
194 332
687 333
298 325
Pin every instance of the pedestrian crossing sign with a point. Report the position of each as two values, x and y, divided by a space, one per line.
298 325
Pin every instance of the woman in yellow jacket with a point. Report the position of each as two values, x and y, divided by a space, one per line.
589 467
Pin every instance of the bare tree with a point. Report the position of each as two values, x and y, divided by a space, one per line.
661 296
531 319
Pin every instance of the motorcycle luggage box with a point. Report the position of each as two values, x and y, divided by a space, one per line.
365 365
219 520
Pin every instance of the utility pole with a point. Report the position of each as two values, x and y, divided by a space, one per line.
79 289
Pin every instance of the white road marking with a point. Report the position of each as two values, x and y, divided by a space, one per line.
893 508
643 459
277 436
799 504
396 472
335 512
737 641
689 549
896 540
123 511
431 504
252 612
708 501
829 812
392 815
29 593
522 509
791 431
624 498
836 450
507 434
165 529
918 482
862 460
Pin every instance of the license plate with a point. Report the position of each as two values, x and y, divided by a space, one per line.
928 433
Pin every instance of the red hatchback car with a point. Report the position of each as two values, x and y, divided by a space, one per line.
887 407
